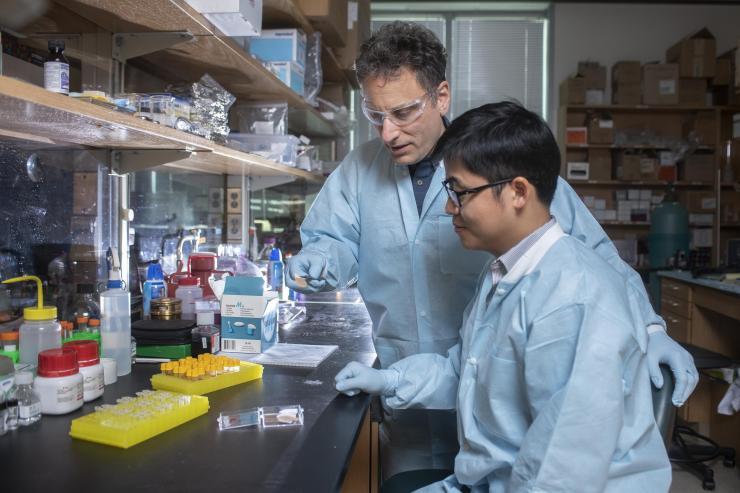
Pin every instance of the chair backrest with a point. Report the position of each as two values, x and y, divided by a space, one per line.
663 408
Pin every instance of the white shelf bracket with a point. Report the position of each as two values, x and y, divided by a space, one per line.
130 160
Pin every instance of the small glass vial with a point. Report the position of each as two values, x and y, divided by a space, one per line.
59 381
88 360
11 407
29 405
56 68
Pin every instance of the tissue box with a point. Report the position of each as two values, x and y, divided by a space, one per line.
290 73
248 316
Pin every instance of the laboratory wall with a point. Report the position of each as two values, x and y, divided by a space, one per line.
613 32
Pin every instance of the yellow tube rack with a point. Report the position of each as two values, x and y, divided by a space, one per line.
136 419
247 372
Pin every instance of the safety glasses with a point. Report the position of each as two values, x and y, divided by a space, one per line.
401 116
456 195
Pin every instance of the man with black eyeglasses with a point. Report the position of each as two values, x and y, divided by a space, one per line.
379 220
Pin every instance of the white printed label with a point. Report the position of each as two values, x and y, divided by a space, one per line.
56 77
667 87
93 383
27 412
69 393
606 123
708 203
241 345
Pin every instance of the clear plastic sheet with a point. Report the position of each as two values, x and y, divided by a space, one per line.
314 75
269 118
209 107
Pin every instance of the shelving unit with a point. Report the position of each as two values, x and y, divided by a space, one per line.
210 51
667 124
32 113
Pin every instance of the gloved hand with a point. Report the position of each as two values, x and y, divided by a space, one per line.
310 266
663 349
356 377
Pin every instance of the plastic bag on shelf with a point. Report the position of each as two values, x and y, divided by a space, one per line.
209 107
268 118
314 75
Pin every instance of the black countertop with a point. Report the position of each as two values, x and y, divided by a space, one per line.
196 456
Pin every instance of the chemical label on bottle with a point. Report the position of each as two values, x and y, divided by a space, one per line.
28 412
93 383
69 393
56 77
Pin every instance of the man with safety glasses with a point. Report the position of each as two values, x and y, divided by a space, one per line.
379 220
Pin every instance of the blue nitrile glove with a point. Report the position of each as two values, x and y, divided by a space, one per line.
311 267
663 349
356 377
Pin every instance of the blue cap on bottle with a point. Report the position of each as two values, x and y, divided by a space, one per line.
275 254
154 272
115 284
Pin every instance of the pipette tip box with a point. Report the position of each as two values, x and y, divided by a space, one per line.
136 419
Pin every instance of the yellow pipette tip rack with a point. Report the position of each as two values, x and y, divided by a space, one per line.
136 419
205 374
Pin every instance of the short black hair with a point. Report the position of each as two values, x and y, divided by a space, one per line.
504 140
403 44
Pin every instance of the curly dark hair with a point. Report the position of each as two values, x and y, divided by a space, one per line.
403 44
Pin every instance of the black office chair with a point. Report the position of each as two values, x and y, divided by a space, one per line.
692 456
663 410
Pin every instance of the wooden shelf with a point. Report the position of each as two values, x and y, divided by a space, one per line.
209 52
635 146
31 113
646 108
637 184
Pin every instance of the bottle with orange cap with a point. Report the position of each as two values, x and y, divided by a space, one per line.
40 329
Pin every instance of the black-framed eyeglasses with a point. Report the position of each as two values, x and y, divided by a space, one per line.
456 195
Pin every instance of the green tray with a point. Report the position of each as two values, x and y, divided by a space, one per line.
171 352
11 354
84 336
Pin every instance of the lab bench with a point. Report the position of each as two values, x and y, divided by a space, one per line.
704 313
196 456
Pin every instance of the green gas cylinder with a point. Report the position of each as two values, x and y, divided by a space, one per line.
669 233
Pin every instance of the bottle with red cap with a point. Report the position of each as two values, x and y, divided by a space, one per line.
189 291
88 360
59 382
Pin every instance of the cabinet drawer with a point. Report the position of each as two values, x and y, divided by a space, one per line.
675 289
679 328
676 306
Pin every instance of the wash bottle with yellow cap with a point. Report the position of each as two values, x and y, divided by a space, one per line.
40 329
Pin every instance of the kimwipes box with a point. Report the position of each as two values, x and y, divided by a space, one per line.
248 316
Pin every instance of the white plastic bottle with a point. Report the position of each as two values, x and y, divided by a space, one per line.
90 368
189 292
59 382
115 323
40 329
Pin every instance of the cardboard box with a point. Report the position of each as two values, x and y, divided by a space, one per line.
280 45
699 201
637 167
626 72
600 164
660 84
695 54
594 75
737 67
248 316
698 167
723 72
573 91
629 94
595 97
703 128
329 17
232 17
603 197
601 129
692 92
358 31
290 73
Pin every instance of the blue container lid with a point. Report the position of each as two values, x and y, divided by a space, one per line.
115 284
275 254
154 272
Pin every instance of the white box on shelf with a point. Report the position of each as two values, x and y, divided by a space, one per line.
633 194
599 204
701 219
610 215
290 73
621 194
646 194
232 17
577 171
